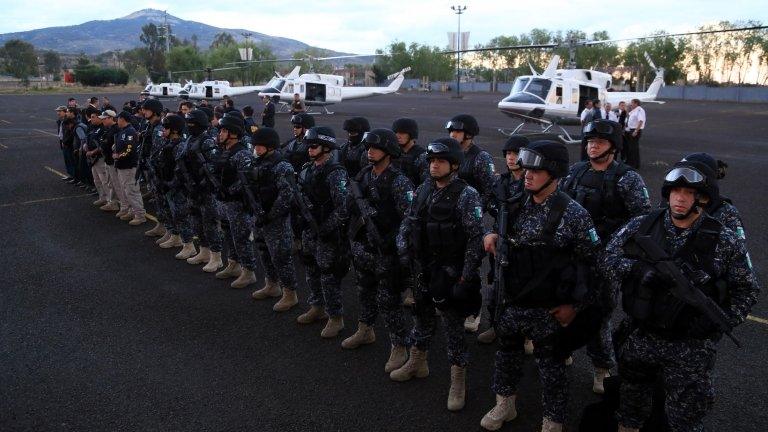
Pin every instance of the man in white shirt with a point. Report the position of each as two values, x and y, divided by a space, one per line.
611 114
632 133
586 113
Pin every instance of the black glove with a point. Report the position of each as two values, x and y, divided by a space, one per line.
701 327
648 276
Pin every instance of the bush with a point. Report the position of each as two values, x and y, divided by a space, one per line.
94 76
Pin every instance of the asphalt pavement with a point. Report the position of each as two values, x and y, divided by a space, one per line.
102 330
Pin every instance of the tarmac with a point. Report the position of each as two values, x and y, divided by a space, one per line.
102 330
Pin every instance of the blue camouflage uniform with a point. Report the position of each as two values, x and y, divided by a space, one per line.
729 216
176 194
413 164
442 235
683 355
204 205
353 155
151 150
376 264
478 171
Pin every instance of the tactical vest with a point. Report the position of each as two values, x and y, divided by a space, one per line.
226 170
314 185
540 275
167 160
598 193
406 163
467 168
295 152
715 208
437 234
378 193
352 157
265 180
656 309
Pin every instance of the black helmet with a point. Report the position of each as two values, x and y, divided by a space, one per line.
233 123
303 119
208 112
406 125
173 122
465 123
356 125
267 137
548 155
321 135
605 129
198 117
153 105
693 174
384 140
514 144
717 166
446 148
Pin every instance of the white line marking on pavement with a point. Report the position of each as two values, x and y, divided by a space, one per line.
757 319
43 200
46 132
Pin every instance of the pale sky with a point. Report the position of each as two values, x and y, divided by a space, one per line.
363 26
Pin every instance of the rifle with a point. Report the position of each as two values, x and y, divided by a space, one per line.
304 206
250 200
189 184
366 213
207 173
502 258
682 288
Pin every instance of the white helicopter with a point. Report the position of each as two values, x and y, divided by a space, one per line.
162 90
316 89
218 89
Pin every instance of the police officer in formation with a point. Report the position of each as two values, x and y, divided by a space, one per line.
613 193
295 150
412 161
151 134
385 195
323 188
233 158
353 153
550 240
442 236
271 178
668 339
106 141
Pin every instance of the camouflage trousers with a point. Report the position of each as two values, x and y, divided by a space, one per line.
600 347
237 233
685 368
425 323
179 206
274 243
205 221
326 263
378 290
162 209
514 326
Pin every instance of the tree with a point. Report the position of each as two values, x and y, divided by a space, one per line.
222 39
668 53
186 57
51 62
20 59
154 61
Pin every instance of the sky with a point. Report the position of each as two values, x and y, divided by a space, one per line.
362 26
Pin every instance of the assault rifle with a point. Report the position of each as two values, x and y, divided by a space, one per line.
366 213
304 206
251 202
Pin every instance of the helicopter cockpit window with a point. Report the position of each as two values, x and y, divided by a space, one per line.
520 84
539 87
279 85
289 89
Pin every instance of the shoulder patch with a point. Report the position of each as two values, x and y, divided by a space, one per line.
740 233
749 261
593 236
645 193
409 196
491 168
478 212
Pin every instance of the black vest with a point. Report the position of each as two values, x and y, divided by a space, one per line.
436 233
657 309
597 192
314 185
406 163
467 168
352 157
295 152
167 161
378 193
265 180
540 275
226 170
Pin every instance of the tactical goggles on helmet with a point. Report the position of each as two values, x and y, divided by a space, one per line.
313 136
454 125
599 127
690 175
434 149
297 120
530 159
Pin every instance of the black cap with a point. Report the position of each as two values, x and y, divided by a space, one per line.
514 144
125 115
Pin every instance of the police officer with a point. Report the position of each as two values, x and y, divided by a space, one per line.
200 151
353 154
174 187
295 150
151 140
413 161
126 159
669 339
442 237
250 122
508 185
385 195
477 169
272 181
613 193
96 162
268 115
241 261
106 141
323 185
551 240
716 205
297 106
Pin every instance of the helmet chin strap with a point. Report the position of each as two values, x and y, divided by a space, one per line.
544 186
602 155
446 176
376 162
694 208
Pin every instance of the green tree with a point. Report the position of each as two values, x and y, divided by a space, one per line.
669 53
183 58
222 39
154 60
20 59
51 62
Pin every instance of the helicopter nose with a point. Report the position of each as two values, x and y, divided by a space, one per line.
183 94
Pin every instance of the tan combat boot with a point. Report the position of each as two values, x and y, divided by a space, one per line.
214 263
233 269
528 346
271 289
598 380
416 366
127 216
110 207
99 202
202 257
503 412
548 425
173 241
164 237
487 336
398 355
472 323
627 429
187 251
137 220
287 301
409 300
246 278
157 231
363 336
122 212
315 313
458 391
333 327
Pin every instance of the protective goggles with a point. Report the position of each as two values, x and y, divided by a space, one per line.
437 149
690 175
454 125
297 120
313 137
371 138
599 127
529 159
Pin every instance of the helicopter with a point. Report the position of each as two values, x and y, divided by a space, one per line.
162 90
218 89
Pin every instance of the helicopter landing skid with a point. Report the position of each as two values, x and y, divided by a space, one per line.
325 108
565 136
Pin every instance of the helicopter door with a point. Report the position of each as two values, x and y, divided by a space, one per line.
315 92
165 91
586 93
209 91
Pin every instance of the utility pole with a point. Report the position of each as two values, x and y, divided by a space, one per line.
248 54
458 10
167 33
